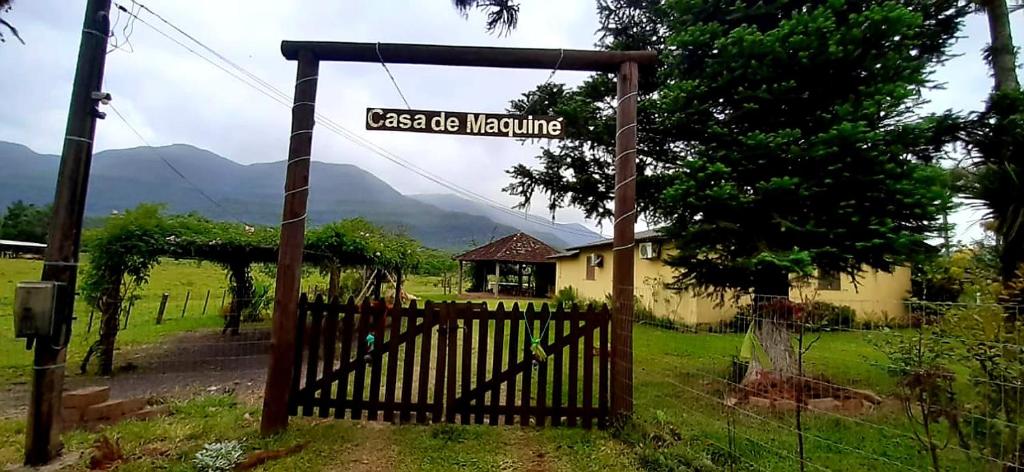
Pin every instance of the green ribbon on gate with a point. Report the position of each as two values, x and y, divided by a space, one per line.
538 351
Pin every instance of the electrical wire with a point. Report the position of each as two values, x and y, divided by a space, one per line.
267 89
171 166
392 77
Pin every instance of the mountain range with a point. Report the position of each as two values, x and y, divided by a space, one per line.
123 178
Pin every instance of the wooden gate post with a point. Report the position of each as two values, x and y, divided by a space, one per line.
289 258
623 242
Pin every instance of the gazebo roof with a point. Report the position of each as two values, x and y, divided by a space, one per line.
518 247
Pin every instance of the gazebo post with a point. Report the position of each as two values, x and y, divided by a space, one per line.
497 278
460 277
519 277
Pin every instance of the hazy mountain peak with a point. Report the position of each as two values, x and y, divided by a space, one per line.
123 178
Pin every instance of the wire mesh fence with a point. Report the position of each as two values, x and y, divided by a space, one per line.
781 385
809 385
167 344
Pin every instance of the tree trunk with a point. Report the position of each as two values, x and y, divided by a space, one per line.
378 283
772 318
1002 55
110 322
241 296
334 283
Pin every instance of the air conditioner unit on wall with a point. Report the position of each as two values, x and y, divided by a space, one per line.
648 251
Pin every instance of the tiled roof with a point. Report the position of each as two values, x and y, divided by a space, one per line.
518 247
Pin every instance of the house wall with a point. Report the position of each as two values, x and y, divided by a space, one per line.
650 277
877 296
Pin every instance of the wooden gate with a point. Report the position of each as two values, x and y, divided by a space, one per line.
449 362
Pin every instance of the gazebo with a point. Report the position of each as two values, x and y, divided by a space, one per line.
516 252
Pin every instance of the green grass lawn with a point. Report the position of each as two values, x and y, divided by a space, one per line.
174 277
681 423
681 420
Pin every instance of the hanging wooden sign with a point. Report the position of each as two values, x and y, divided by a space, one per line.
472 124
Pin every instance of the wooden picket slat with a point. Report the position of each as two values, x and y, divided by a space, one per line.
499 344
556 375
450 356
482 337
588 374
348 313
513 357
574 372
543 322
359 382
408 362
293 396
394 316
330 337
465 370
313 354
422 396
527 390
376 360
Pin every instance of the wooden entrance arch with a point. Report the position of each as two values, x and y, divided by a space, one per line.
309 54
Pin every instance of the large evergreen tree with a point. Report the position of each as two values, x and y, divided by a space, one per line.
775 138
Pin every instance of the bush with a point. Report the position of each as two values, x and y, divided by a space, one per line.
827 315
817 315
566 296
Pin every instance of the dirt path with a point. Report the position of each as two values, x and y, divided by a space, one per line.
180 366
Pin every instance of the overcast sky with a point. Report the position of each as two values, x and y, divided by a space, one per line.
173 96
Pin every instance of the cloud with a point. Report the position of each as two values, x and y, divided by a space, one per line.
170 95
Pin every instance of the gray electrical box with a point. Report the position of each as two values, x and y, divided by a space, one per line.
33 309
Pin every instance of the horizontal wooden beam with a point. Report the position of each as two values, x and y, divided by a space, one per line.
469 56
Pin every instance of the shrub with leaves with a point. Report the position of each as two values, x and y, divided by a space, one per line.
566 296
918 360
219 457
121 255
826 316
993 350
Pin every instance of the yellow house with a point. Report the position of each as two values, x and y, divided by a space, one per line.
588 269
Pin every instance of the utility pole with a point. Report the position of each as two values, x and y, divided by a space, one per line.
42 435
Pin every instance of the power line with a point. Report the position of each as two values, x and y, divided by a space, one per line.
392 77
284 99
171 166
183 177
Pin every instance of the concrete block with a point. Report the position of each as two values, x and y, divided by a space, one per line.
759 402
71 414
149 412
784 405
85 397
114 409
824 404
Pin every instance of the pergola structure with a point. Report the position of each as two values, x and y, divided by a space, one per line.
515 250
309 54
